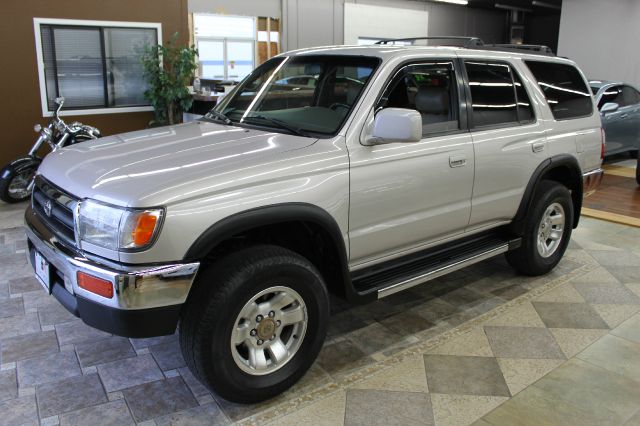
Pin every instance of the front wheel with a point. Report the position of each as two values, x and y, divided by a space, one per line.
254 323
638 172
14 181
547 230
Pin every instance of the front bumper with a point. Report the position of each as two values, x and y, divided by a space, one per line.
146 300
591 181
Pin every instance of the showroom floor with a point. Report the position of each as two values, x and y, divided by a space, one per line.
482 345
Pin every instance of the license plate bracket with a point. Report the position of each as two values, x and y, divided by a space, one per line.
43 271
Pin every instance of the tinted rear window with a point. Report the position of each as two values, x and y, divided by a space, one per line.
566 91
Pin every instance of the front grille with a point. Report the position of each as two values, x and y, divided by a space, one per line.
55 208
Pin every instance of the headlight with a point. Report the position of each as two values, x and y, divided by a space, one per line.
118 228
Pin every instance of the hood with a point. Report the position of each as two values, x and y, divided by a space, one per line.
125 169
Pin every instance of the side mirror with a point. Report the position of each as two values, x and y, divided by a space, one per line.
609 107
396 125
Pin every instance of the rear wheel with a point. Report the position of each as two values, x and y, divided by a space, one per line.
633 154
254 323
547 230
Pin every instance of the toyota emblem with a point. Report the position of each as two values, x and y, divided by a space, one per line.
47 208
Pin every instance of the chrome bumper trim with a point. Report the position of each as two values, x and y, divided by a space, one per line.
591 181
135 287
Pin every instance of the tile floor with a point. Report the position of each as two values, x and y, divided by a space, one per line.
481 345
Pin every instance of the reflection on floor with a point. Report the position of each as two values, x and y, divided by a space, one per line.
618 198
481 345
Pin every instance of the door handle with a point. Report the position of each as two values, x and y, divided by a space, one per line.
537 146
457 161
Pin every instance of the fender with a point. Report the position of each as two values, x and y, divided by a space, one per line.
548 165
271 215
19 165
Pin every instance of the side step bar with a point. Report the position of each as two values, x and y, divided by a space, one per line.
398 275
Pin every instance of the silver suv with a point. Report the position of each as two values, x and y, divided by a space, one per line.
390 166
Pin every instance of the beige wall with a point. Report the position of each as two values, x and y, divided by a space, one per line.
19 86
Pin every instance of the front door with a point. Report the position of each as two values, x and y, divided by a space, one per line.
407 195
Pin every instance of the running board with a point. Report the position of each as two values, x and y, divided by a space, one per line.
419 269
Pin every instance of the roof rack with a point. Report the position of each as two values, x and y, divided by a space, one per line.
468 42
538 49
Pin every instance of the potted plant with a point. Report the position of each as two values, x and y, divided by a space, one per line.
169 70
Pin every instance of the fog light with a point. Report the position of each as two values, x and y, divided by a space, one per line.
95 285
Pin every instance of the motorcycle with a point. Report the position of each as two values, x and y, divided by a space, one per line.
16 178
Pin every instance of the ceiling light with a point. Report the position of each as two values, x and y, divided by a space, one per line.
460 2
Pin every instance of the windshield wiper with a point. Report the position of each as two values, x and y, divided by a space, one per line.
282 124
219 116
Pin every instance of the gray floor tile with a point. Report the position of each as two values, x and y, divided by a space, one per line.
593 389
27 346
106 350
465 375
69 395
374 338
206 414
569 315
510 292
8 384
607 293
20 411
630 329
523 342
152 341
38 299
114 413
129 372
159 398
22 285
168 355
341 357
197 388
378 407
615 354
11 307
615 258
54 314
435 310
626 274
19 324
78 332
634 420
345 322
406 323
48 368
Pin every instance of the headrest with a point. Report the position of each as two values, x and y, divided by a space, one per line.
432 100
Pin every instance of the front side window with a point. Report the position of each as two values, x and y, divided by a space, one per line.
492 94
566 92
630 96
611 94
300 94
429 88
94 66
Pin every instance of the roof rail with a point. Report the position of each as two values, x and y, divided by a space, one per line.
469 42
537 49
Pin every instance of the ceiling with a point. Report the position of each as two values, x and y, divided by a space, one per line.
536 6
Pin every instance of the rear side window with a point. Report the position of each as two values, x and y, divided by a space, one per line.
566 91
498 96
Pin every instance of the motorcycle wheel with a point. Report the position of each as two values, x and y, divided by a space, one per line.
14 182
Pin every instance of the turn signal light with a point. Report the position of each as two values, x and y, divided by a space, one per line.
145 226
95 285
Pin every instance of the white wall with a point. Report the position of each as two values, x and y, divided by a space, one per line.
269 8
397 22
602 37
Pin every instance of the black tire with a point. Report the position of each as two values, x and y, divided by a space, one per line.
7 175
220 292
638 172
633 154
527 258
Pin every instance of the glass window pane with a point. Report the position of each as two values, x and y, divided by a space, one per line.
239 59
492 94
124 48
565 89
79 67
211 57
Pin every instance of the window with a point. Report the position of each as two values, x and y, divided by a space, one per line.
566 91
95 65
226 46
429 88
492 94
525 109
300 94
630 96
611 94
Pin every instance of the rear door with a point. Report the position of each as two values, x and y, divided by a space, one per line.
508 139
631 100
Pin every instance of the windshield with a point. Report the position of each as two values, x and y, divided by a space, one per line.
299 94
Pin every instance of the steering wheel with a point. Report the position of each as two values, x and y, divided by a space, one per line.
334 106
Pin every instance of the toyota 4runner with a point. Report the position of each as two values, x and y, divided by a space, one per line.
379 169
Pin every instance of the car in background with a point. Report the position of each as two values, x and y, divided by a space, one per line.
619 106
